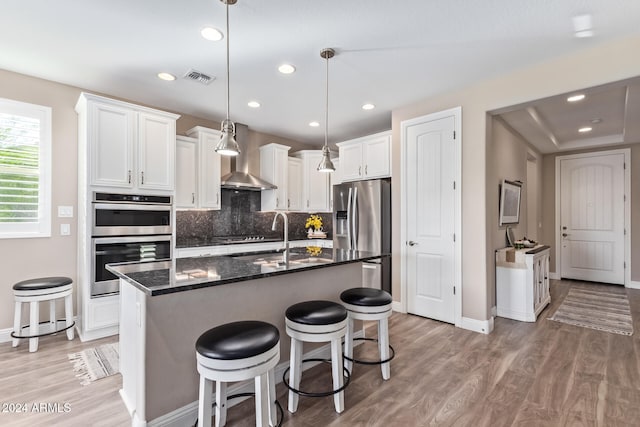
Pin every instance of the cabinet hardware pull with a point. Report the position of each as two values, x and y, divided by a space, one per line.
359 170
142 177
193 197
307 202
129 176
365 169
217 198
277 202
288 203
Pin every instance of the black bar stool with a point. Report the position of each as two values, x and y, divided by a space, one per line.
316 321
369 304
238 351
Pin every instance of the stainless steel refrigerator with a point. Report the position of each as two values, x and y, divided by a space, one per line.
362 221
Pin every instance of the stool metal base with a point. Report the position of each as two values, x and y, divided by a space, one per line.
13 334
347 376
372 362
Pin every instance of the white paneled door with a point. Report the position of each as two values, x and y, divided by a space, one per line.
431 212
592 216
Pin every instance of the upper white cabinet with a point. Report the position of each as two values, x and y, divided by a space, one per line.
126 146
274 167
334 179
365 158
198 168
294 187
315 185
187 172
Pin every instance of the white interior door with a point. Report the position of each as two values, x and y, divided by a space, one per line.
592 212
430 206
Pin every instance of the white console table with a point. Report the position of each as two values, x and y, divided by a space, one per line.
522 282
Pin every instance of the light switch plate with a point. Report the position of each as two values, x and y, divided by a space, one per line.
65 211
65 229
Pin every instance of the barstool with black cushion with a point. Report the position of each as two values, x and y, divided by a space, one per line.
316 321
38 290
238 351
369 304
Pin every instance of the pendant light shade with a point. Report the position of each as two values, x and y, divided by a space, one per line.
228 146
326 165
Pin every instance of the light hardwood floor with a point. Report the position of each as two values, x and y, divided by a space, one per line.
523 374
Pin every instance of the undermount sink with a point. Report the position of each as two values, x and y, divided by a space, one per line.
276 258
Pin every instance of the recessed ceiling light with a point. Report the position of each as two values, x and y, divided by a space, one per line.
253 104
585 129
368 106
212 34
575 98
166 76
314 124
595 121
286 68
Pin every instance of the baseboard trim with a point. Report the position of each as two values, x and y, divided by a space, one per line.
633 285
554 276
481 326
397 307
188 414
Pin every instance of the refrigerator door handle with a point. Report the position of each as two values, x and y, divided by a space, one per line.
349 218
355 218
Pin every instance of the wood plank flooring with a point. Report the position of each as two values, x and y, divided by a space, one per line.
523 374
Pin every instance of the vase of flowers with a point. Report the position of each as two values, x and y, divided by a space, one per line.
314 225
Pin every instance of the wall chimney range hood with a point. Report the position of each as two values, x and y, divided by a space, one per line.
239 178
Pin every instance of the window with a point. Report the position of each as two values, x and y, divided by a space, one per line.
25 170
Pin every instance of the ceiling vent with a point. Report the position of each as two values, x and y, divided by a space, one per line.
198 77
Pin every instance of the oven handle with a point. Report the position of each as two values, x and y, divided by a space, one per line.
131 207
132 239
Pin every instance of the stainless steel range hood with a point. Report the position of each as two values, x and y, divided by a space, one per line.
239 178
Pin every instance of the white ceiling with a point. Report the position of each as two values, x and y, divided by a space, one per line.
389 53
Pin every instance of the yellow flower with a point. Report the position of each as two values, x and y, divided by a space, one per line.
314 221
314 250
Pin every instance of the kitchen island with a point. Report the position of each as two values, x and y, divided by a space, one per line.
167 305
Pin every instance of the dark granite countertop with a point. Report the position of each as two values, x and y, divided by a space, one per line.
178 275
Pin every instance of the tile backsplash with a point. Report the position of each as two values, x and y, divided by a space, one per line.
240 216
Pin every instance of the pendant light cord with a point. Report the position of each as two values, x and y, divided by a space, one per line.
326 117
227 4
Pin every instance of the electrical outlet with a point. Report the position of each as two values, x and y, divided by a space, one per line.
65 211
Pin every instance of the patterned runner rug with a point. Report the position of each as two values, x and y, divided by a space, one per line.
602 310
95 363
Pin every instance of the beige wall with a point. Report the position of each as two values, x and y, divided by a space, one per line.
22 259
507 154
549 204
595 65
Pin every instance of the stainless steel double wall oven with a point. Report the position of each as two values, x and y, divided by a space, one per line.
126 228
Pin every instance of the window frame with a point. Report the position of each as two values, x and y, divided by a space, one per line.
42 228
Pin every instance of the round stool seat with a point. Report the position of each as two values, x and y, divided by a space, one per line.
316 313
42 283
366 297
238 340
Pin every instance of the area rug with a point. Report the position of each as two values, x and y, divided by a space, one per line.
95 363
596 309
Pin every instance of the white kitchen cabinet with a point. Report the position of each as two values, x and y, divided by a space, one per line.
198 169
127 146
315 185
274 166
294 184
186 172
209 169
522 282
365 158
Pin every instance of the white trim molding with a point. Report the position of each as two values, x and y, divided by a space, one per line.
398 307
633 284
481 326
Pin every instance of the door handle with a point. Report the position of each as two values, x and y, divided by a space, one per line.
564 234
412 243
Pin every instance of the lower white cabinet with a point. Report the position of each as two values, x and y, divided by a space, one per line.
522 282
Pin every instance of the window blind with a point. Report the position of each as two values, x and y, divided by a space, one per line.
19 168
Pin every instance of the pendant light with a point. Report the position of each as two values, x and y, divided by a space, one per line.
228 146
326 165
